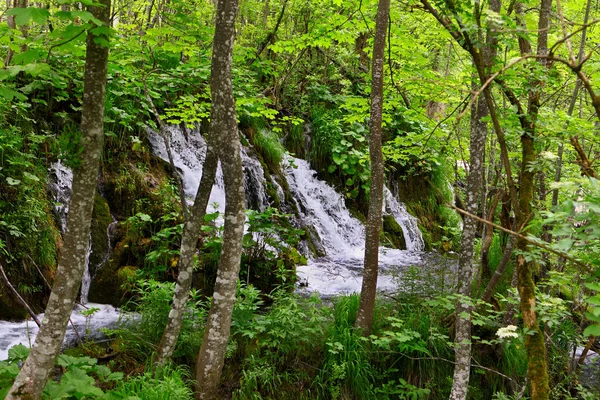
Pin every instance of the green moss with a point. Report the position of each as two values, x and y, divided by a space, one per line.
393 232
101 219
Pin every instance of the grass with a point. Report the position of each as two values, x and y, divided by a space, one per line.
167 383
268 145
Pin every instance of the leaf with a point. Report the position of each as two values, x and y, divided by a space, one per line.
31 177
24 15
12 182
18 353
10 94
592 330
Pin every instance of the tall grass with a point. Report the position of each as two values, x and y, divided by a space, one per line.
166 383
268 145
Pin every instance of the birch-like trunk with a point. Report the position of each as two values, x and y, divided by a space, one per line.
366 307
189 240
224 132
33 376
462 341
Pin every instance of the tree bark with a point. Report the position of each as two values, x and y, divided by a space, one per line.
189 240
33 376
366 307
227 146
462 341
535 346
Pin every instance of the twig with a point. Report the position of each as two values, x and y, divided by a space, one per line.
49 287
61 43
18 296
522 237
165 136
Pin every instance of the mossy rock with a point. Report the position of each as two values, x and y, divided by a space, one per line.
107 287
101 219
10 308
143 187
393 232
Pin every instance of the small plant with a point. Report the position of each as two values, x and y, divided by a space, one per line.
88 314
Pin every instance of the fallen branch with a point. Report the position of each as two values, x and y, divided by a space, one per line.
18 296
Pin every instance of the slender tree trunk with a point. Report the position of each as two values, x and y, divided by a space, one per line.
366 307
189 240
537 370
227 145
33 376
10 21
462 341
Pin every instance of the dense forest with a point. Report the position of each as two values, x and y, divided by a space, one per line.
282 199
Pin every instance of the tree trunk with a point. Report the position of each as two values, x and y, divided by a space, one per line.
189 241
462 341
33 376
10 21
227 145
366 307
537 370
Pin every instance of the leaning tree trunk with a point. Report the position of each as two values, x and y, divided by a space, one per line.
189 240
33 376
224 132
462 341
366 307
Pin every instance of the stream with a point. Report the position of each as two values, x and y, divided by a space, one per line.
338 233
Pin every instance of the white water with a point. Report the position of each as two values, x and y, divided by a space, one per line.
342 236
24 332
408 223
60 186
188 157
86 279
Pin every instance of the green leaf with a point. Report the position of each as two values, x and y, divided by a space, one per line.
592 330
31 177
18 353
12 182
10 94
24 15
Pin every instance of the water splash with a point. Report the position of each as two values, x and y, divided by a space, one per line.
408 223
188 156
343 236
61 181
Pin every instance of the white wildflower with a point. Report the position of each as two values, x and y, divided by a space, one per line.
509 331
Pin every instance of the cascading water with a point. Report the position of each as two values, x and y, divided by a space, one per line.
254 182
188 156
86 279
61 181
60 187
324 209
408 223
342 236
24 332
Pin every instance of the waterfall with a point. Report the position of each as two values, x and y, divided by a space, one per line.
60 186
254 182
324 209
86 279
188 156
343 236
61 180
408 223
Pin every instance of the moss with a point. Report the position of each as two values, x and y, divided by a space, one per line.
10 309
108 286
101 219
393 232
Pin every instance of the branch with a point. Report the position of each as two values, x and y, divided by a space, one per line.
62 43
165 136
18 296
522 237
